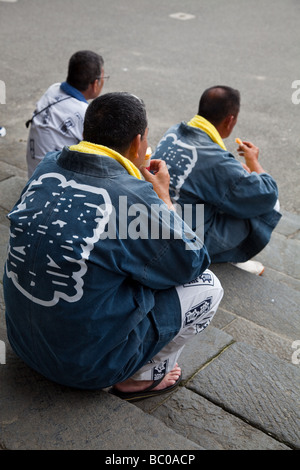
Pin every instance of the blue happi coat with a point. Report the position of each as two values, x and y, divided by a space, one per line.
89 293
238 207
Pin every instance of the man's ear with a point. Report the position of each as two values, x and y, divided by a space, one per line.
89 92
94 85
135 146
230 122
93 90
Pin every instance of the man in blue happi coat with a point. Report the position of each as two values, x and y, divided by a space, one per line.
104 282
240 199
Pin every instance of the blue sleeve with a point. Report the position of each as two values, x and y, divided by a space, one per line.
226 185
170 255
247 195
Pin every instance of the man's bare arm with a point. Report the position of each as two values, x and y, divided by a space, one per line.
250 152
158 175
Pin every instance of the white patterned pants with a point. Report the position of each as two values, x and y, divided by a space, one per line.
199 301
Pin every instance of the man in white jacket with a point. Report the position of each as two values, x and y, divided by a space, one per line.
58 118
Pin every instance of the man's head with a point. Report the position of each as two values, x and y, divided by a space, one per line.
85 73
220 105
118 121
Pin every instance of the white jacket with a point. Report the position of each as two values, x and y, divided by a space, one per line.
55 126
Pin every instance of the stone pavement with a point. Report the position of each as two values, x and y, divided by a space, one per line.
241 376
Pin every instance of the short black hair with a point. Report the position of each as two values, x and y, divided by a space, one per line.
84 68
217 102
114 120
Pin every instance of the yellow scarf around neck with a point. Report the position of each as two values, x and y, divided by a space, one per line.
88 147
209 128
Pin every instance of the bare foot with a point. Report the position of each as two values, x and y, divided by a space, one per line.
131 385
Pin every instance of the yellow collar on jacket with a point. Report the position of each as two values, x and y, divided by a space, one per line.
209 128
88 147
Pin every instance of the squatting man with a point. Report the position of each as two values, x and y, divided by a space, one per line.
241 207
110 312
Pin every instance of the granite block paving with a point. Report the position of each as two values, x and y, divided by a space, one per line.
271 305
248 332
39 415
11 189
256 386
208 425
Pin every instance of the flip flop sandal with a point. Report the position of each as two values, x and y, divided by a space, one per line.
147 393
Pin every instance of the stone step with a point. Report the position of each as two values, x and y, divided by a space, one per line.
201 421
243 399
201 412
266 303
36 414
281 256
257 387
258 311
247 350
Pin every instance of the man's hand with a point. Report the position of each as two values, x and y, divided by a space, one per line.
250 152
160 179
